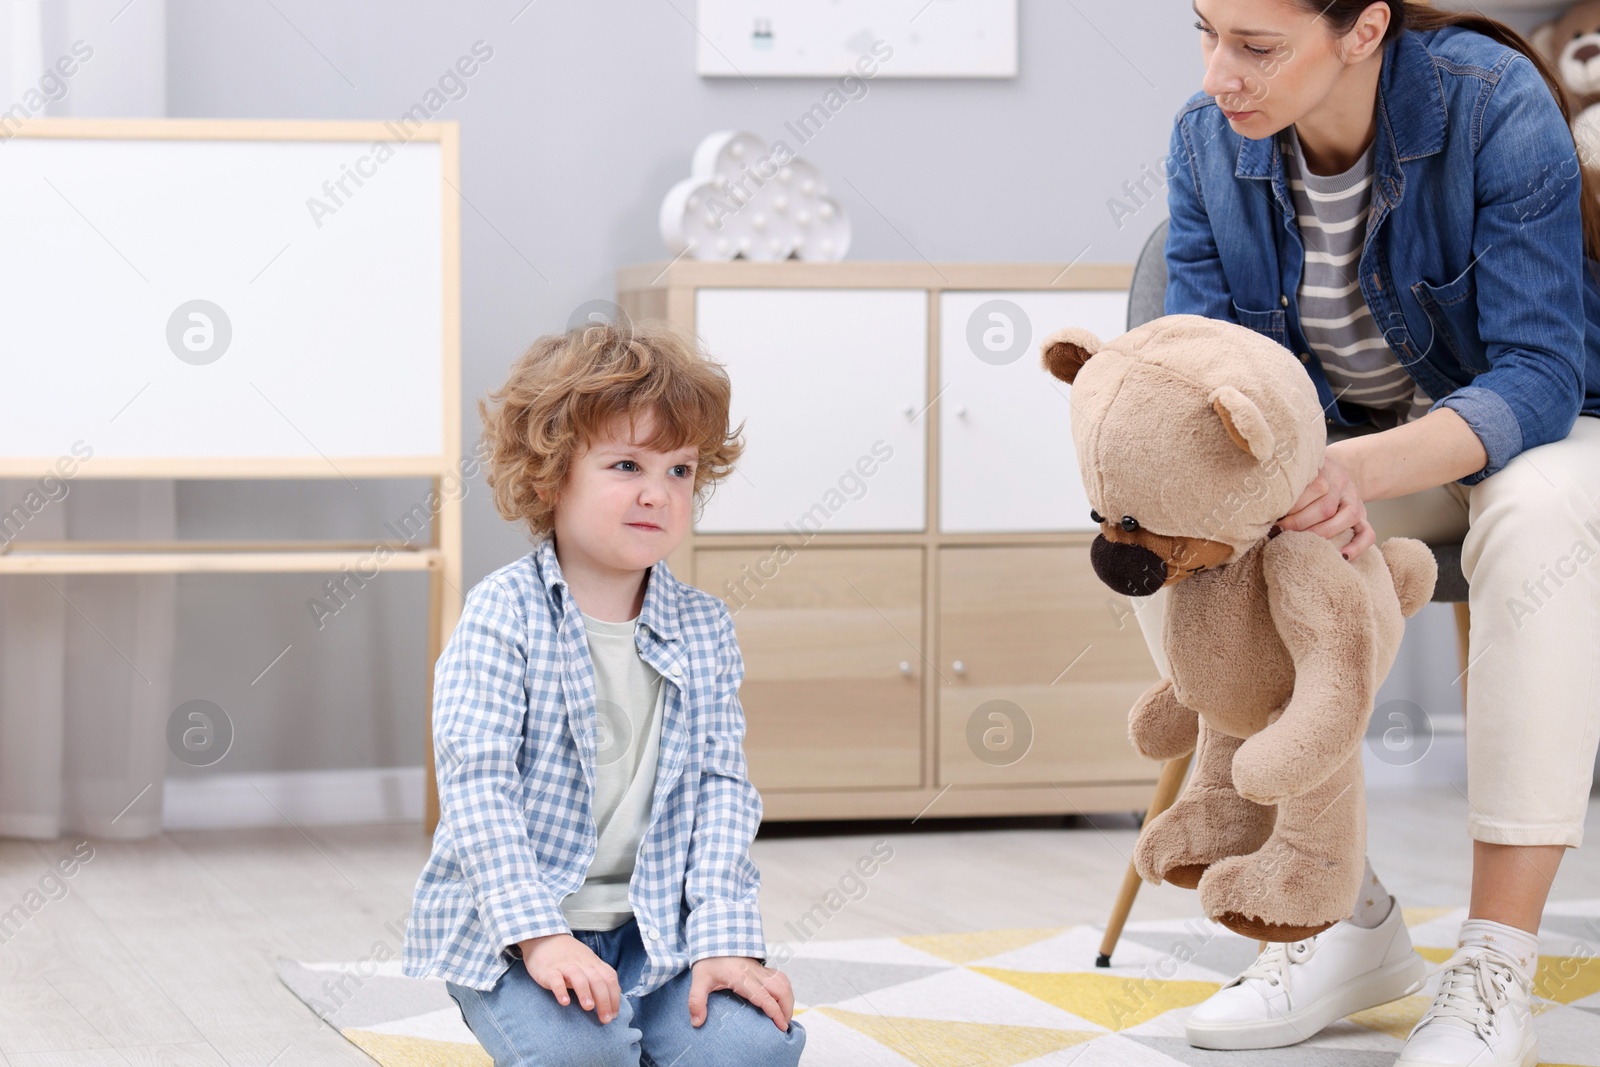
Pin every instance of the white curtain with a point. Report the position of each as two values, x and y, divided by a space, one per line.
85 661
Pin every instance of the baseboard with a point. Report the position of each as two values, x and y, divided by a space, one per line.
1443 763
302 798
394 794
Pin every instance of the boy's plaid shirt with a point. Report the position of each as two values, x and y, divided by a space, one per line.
514 746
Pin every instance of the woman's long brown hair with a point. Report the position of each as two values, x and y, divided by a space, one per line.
1341 16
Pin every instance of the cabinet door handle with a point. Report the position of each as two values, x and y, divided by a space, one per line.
961 412
911 411
959 667
905 667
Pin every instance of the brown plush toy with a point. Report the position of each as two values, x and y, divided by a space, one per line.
1194 436
1572 44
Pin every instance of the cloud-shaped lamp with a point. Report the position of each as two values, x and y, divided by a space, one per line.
747 198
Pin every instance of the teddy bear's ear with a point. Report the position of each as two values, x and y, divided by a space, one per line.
1066 351
1244 422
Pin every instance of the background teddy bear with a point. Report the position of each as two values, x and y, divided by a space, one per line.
1572 44
1194 436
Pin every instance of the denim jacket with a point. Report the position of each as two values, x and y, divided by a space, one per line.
1473 263
514 734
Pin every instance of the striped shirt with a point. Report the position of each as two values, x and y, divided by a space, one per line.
1360 366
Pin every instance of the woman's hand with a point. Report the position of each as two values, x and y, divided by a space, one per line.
1331 507
557 961
762 986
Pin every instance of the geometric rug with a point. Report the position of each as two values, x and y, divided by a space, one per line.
1013 998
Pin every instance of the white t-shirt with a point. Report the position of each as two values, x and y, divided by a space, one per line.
628 702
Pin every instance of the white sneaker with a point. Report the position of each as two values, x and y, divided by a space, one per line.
1293 990
1482 1016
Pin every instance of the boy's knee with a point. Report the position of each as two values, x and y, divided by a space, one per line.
613 1045
566 1035
782 1048
740 1034
584 1043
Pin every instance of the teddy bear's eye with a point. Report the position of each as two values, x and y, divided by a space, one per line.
1129 523
1096 516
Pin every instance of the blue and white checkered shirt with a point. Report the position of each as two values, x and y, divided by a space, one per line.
514 746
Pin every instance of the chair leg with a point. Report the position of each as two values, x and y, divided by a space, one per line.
1167 788
1463 627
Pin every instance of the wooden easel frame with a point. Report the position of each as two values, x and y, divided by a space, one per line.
440 558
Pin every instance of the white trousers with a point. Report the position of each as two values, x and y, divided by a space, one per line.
1530 538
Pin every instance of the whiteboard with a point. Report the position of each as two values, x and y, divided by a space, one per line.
220 299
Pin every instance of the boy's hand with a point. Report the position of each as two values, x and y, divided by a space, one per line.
557 961
762 986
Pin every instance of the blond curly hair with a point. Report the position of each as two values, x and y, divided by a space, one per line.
566 389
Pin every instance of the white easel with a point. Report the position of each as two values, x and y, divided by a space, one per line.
236 299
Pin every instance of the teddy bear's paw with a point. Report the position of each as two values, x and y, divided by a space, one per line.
1160 855
1274 765
1278 893
1160 726
1261 774
1178 845
1259 929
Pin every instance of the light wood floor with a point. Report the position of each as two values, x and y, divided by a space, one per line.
161 951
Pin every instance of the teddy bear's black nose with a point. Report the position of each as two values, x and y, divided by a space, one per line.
1131 570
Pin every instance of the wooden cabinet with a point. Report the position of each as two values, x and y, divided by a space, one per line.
832 692
1040 664
904 545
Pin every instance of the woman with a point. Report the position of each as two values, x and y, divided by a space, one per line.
1393 193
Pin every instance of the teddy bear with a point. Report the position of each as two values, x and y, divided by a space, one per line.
1572 45
1193 437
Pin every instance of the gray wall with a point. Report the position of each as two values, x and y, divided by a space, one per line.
571 134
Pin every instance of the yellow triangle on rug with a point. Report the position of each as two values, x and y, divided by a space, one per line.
978 944
946 1044
404 1050
1565 979
1115 1001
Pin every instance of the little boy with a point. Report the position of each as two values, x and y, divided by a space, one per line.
595 811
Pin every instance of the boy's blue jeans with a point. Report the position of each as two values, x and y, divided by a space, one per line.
521 1024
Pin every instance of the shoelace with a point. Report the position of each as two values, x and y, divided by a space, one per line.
1273 964
1474 987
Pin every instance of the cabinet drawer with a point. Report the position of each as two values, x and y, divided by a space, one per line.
832 692
831 386
1006 461
1040 663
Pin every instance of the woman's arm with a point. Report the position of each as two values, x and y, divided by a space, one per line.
1434 450
1438 448
1196 284
1528 261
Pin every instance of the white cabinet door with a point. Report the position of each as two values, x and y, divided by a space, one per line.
1006 461
832 386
